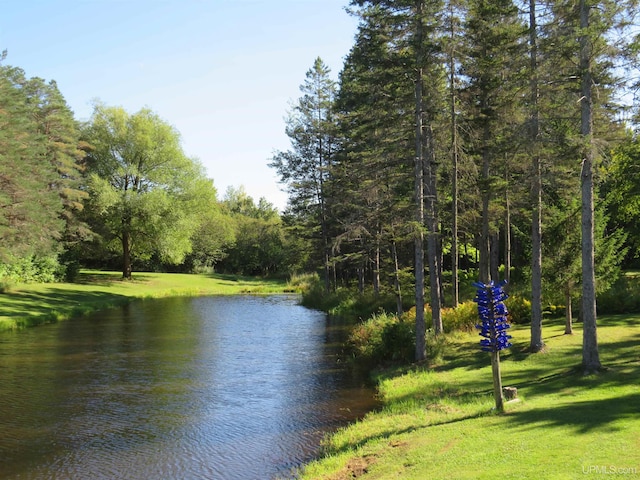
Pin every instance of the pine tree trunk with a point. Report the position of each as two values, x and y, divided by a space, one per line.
419 259
484 246
568 314
433 252
454 174
494 249
507 240
590 356
376 268
419 200
396 277
537 343
326 254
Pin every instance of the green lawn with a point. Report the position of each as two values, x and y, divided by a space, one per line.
438 423
27 305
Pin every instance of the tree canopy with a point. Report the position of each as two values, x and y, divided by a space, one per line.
146 193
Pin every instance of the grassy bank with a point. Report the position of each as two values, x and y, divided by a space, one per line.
438 423
33 304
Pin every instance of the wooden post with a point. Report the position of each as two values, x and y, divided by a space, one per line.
497 381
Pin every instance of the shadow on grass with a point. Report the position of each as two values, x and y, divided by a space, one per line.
585 416
620 320
106 279
388 433
30 309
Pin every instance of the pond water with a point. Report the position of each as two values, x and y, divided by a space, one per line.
237 387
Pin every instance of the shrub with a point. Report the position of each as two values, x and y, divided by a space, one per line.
343 301
463 317
381 339
398 341
386 338
366 338
519 309
31 269
303 282
554 310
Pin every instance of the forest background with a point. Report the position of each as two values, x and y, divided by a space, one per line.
462 140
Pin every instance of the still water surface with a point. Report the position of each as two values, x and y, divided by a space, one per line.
235 387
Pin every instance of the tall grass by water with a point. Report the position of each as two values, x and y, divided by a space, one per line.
36 303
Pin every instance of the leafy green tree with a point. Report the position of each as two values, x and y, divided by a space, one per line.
427 47
622 190
261 245
146 194
238 202
213 239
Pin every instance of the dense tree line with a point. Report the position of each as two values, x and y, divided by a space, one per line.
489 134
117 192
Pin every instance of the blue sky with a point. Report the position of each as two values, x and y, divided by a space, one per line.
223 72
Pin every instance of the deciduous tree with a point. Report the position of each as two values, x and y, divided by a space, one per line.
146 194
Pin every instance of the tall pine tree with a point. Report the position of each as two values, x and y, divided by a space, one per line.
304 169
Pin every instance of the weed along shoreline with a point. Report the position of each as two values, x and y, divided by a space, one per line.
439 421
27 305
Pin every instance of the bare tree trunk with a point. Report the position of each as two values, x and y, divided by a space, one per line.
484 246
376 268
590 355
419 266
494 249
536 343
326 255
396 276
466 251
454 161
421 330
568 314
433 250
507 240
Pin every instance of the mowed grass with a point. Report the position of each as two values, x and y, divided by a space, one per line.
437 422
33 304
